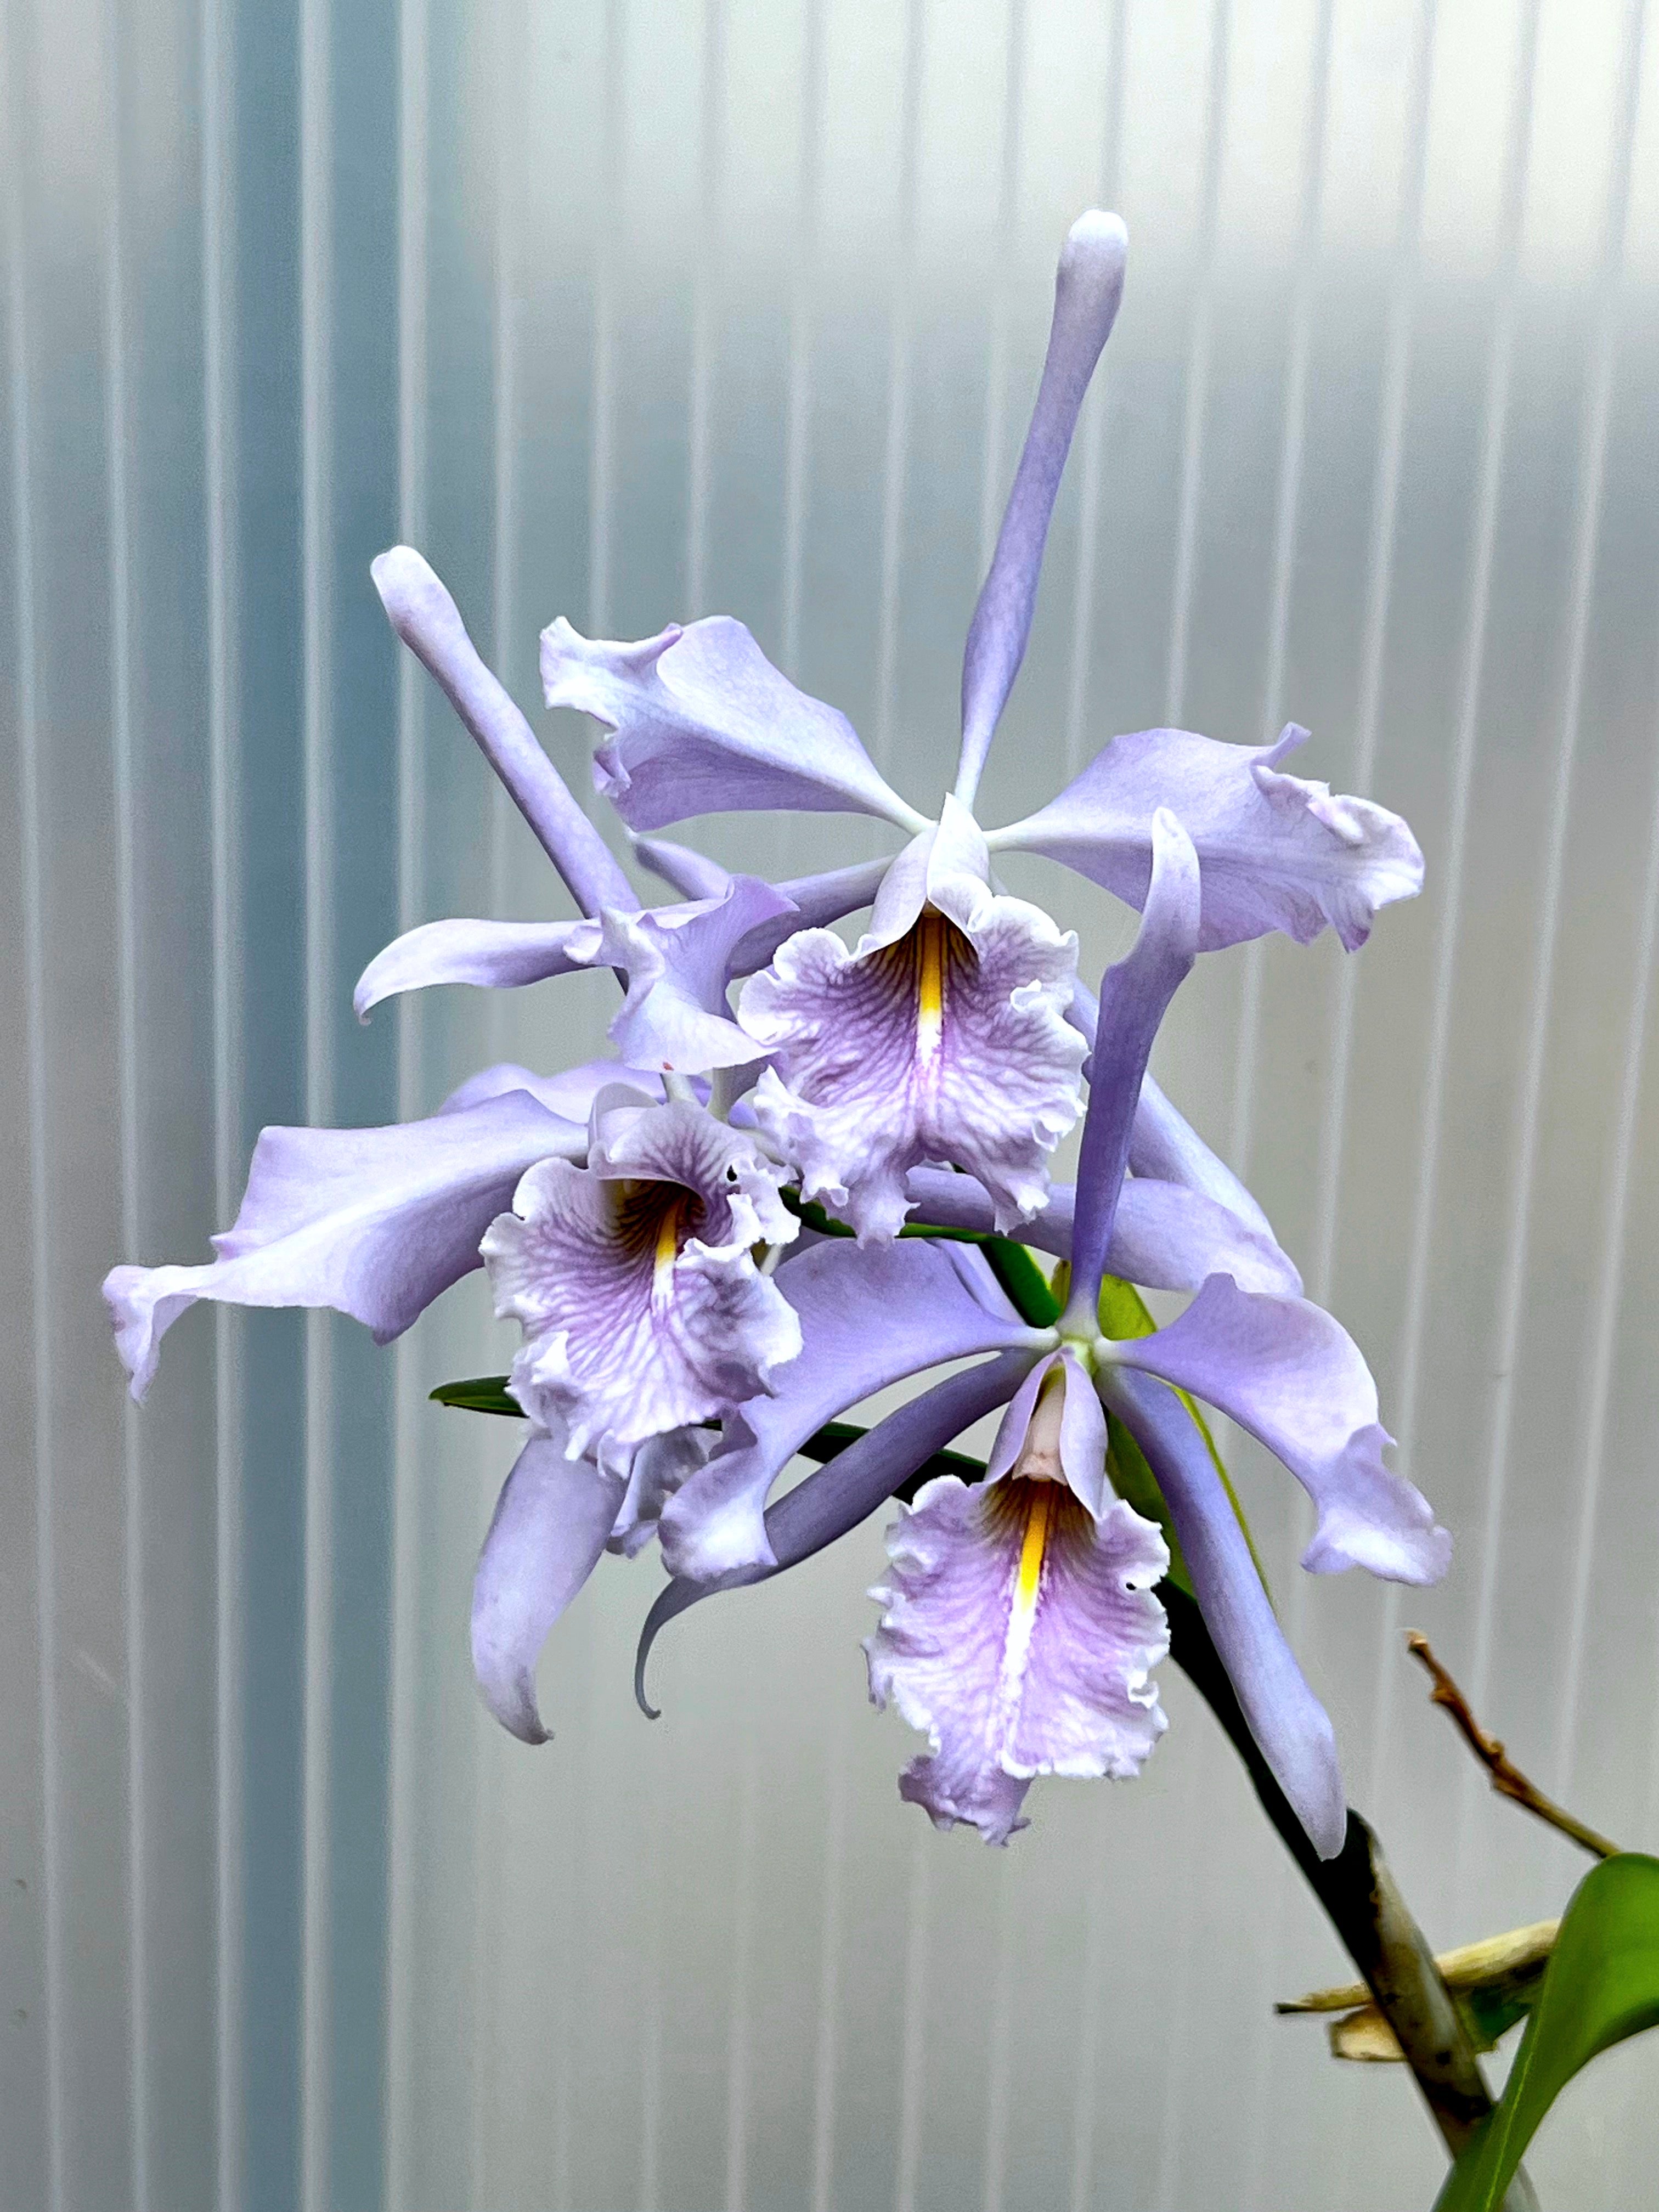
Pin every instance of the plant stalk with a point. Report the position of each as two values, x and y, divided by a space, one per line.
1364 1904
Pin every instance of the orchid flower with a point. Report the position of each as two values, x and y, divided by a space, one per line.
944 1034
1019 1627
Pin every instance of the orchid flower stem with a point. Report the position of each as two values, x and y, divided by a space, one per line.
679 1087
1365 1905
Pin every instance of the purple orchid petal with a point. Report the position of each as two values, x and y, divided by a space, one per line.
570 1094
661 1465
1165 1146
1276 852
869 1315
498 955
1020 1634
1289 1725
1164 1237
374 1223
1055 1431
692 874
1295 1378
427 619
1088 286
814 900
548 1531
832 1501
632 1278
942 1036
1134 996
677 962
705 725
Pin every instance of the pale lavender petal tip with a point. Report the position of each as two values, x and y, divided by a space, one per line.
1088 287
494 954
427 619
549 1529
703 724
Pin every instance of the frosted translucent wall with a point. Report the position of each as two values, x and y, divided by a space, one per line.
632 312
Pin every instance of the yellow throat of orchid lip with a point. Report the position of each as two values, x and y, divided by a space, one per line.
1035 1544
930 982
667 1250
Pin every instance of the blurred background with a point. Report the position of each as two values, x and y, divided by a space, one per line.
638 309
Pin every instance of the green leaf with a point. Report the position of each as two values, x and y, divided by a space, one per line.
833 1438
1601 1985
480 1394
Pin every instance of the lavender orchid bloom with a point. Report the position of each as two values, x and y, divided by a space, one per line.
888 1056
642 1309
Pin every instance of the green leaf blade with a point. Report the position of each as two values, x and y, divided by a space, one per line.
1600 1986
478 1394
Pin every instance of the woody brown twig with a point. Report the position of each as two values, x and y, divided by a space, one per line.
1507 1779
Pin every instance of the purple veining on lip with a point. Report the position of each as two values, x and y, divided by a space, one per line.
632 1278
1012 1675
942 1036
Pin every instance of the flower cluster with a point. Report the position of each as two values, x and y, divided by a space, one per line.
791 1186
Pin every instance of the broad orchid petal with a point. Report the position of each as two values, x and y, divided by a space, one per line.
1133 995
427 619
632 1278
690 872
869 1317
1295 1378
550 1525
833 1500
660 1466
570 1094
1055 1431
1088 286
705 725
942 1037
374 1223
1020 1633
814 900
1289 1725
498 955
1164 1237
677 962
1275 852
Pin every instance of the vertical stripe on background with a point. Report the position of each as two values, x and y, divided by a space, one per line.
1004 247
601 475
117 464
1592 477
1287 518
227 953
24 645
705 292
407 1530
896 457
315 280
1198 364
803 272
826 2057
1493 432
912 2062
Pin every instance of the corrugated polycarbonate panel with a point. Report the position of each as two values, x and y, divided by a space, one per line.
640 309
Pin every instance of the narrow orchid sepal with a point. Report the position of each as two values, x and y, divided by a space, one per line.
1277 852
703 724
1133 997
551 1523
870 1316
1088 287
493 955
428 622
1291 1726
1295 1378
374 1223
832 1501
1164 1235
